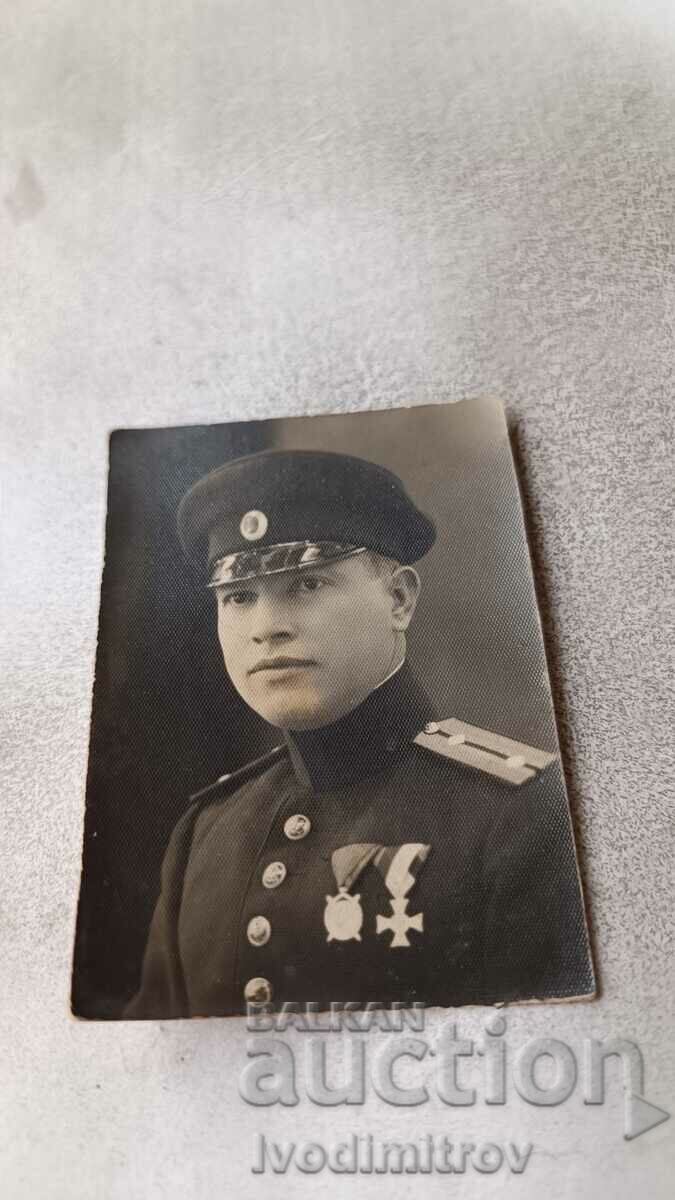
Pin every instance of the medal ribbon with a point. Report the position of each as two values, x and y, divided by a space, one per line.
348 862
399 865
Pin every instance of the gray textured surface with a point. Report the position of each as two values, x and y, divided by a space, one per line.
242 209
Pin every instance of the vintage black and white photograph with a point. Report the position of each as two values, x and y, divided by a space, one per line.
323 765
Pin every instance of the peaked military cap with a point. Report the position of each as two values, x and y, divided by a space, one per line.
281 510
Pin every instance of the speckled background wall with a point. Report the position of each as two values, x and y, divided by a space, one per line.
224 210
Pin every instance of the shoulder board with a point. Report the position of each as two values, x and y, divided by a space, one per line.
228 783
500 756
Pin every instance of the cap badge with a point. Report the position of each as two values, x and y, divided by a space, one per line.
253 525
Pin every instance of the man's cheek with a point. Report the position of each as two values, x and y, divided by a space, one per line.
231 660
234 670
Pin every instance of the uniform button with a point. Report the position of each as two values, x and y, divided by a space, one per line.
258 991
258 931
274 874
297 826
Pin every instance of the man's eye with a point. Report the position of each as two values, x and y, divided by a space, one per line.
238 599
310 583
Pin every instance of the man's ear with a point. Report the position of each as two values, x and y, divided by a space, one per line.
404 588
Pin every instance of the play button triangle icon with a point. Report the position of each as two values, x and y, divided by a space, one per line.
640 1116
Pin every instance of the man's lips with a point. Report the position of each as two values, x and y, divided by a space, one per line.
278 664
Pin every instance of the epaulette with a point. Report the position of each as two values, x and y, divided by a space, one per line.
228 783
511 761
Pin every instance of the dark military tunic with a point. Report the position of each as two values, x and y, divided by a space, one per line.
245 882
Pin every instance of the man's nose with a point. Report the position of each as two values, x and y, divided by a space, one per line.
271 621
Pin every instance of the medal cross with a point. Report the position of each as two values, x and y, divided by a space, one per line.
399 923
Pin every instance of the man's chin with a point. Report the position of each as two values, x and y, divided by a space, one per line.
298 708
292 708
294 719
298 716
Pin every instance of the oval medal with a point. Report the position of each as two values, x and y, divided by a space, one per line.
343 917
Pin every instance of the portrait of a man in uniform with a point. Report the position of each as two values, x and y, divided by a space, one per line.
382 850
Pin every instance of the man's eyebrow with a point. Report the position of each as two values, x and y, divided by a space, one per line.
237 585
335 569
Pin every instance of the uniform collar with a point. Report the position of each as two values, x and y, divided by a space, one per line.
366 740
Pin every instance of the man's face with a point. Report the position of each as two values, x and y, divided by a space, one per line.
304 648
